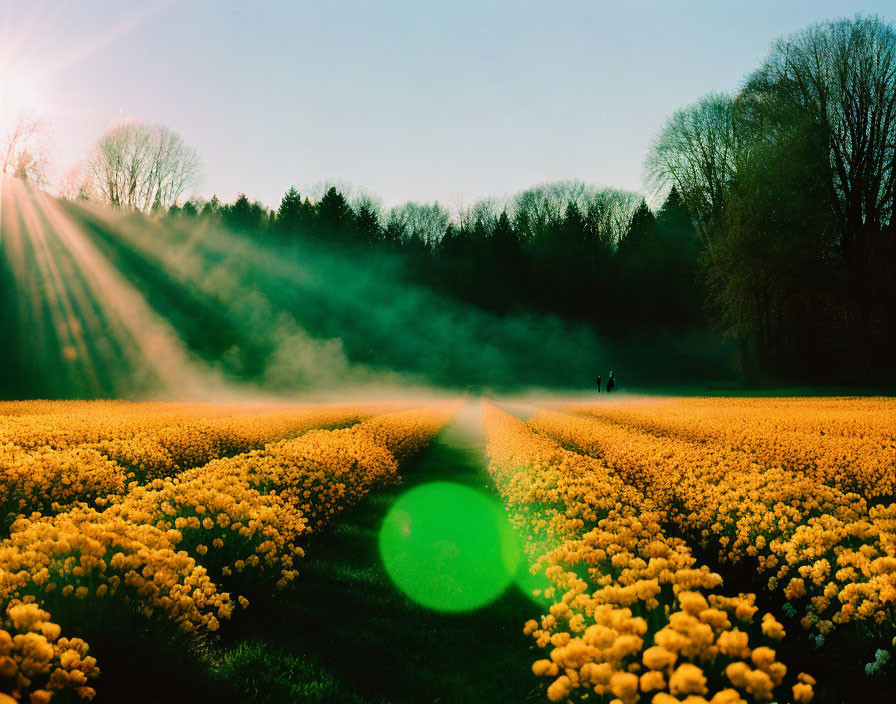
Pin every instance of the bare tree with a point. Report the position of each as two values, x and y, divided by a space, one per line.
76 184
143 167
25 148
696 152
610 210
841 77
421 223
356 196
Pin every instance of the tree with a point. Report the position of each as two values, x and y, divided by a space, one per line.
243 215
76 184
608 210
835 83
211 209
791 184
395 232
772 281
25 148
289 214
640 235
697 153
367 225
143 167
422 225
507 264
841 76
334 218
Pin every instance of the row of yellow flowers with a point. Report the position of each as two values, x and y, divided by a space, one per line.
49 477
58 424
829 553
153 440
163 552
847 443
841 416
632 617
250 511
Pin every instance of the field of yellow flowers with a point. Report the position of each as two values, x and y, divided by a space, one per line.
125 520
790 500
685 550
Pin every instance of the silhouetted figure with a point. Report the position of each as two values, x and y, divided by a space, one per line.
598 383
611 383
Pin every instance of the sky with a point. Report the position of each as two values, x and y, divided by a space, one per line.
418 100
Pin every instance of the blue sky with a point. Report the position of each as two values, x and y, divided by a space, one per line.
411 100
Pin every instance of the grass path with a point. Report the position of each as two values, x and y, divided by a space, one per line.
345 633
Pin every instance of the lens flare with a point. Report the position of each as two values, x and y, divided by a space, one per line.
449 547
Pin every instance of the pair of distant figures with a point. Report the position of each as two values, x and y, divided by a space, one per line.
611 383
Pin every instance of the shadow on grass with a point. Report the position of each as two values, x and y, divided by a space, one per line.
344 633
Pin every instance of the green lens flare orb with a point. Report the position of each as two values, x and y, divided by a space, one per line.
449 547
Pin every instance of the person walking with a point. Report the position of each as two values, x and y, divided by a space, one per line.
598 383
611 383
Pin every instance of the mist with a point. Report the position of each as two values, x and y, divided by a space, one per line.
184 308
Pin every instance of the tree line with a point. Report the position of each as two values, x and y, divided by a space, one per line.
778 227
774 221
597 255
791 185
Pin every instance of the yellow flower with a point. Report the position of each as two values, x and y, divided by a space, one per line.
541 668
772 628
652 680
734 643
727 696
687 679
802 692
737 673
657 657
624 685
559 689
763 657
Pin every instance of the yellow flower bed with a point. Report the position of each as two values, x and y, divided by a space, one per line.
849 444
81 559
157 550
830 553
173 448
157 439
632 615
247 513
61 462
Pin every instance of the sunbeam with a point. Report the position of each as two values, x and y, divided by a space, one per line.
71 295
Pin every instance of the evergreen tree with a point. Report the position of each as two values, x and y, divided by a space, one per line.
290 215
640 234
508 264
367 225
211 208
335 219
394 233
244 216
